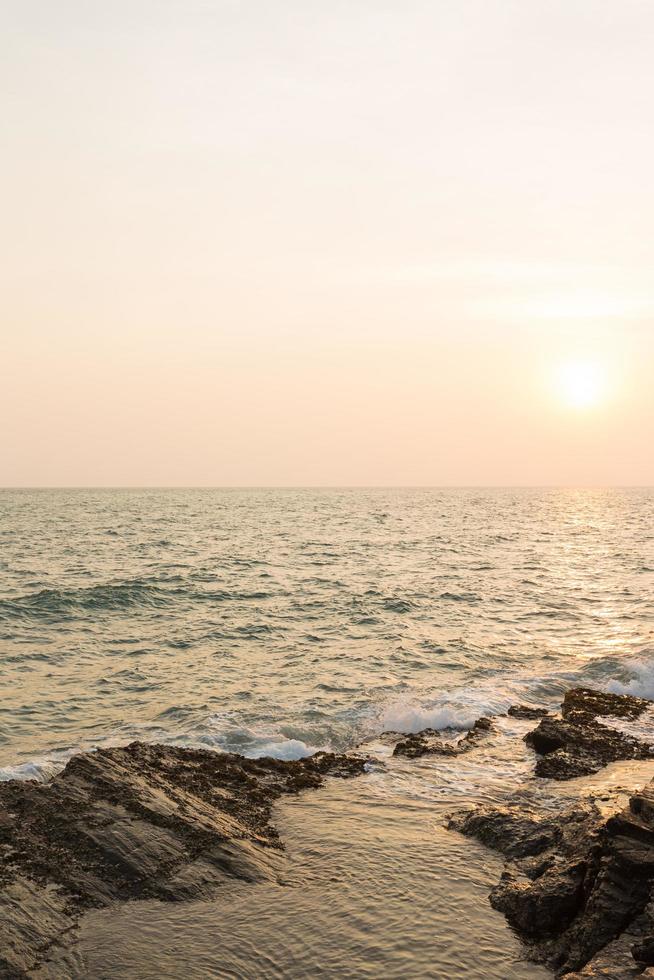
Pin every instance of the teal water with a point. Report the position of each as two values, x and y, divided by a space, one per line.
281 621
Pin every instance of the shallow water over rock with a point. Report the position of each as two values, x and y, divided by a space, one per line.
374 886
370 882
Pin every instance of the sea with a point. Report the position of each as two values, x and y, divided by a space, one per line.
280 622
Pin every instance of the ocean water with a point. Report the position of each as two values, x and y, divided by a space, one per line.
277 622
282 621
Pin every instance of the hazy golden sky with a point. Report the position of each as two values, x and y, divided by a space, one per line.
327 242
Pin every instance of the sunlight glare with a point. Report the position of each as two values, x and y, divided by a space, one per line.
581 384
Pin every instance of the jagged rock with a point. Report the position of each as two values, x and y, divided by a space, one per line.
430 742
643 951
613 962
523 711
582 702
518 835
579 887
538 909
143 821
577 744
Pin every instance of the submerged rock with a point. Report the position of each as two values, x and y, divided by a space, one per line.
143 821
523 711
430 742
577 744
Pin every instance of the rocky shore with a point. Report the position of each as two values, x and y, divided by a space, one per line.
578 884
175 824
143 821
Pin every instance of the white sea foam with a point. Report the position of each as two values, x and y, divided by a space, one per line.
40 769
640 684
286 749
402 717
224 734
459 708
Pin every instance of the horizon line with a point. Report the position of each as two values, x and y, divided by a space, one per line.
330 486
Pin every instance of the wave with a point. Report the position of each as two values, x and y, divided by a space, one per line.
244 741
396 604
640 683
410 718
285 748
115 596
454 708
58 602
471 597
459 708
41 769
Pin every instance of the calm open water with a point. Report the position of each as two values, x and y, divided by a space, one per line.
280 621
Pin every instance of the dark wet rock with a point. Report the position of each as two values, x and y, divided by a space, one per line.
523 711
431 742
519 835
143 821
613 962
582 702
577 744
577 749
541 907
579 886
643 950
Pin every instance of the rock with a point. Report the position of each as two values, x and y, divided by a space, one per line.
519 835
430 742
541 908
582 702
32 918
143 821
577 744
579 889
613 962
525 712
643 951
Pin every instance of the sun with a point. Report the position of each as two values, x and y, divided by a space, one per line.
581 384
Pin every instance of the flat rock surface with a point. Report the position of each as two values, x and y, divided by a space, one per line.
143 821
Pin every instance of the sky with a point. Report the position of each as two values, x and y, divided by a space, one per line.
327 242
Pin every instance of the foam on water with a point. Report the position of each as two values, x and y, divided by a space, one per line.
288 749
40 769
641 682
459 707
455 709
